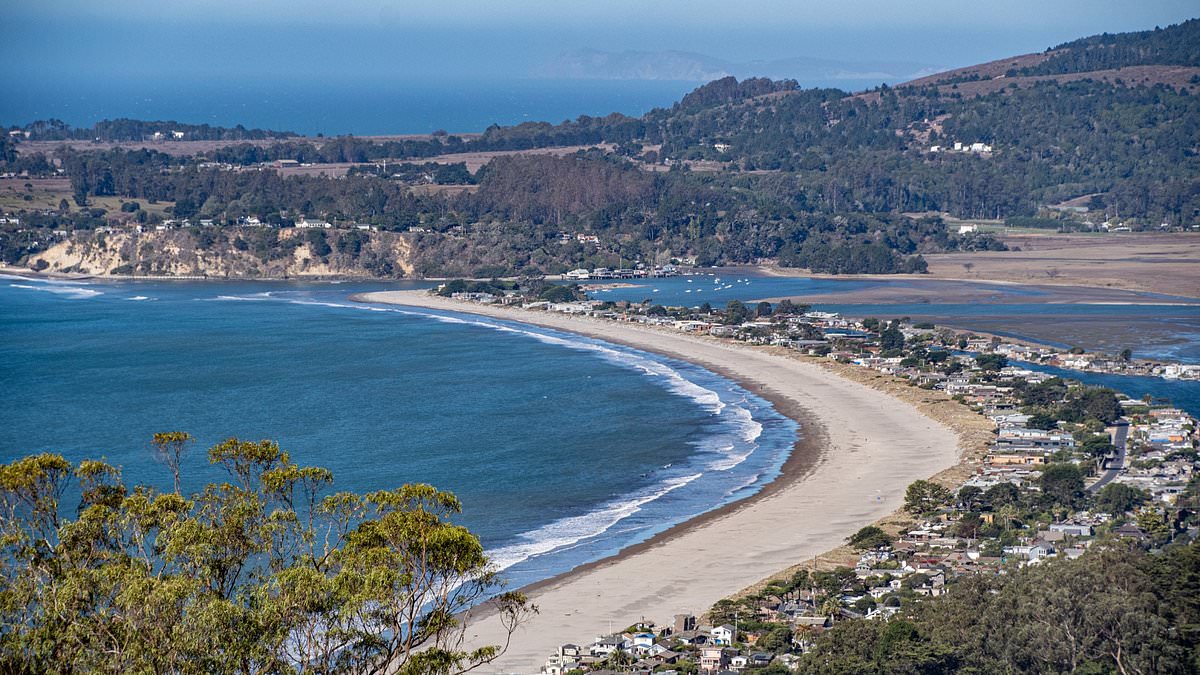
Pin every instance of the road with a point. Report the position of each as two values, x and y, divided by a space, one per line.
1120 435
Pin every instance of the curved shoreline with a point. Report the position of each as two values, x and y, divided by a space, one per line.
804 455
824 491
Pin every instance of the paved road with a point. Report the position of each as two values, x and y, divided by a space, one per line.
1120 434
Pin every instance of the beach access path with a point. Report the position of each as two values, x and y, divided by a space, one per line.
860 449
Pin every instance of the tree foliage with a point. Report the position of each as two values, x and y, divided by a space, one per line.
869 537
925 497
270 571
1061 484
1112 610
1118 498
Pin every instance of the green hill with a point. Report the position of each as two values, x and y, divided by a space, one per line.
736 171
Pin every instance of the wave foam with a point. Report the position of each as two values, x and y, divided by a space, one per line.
569 531
73 292
253 297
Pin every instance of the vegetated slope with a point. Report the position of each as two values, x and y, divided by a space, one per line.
1177 45
1174 45
815 178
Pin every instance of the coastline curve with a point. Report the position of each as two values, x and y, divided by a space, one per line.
859 450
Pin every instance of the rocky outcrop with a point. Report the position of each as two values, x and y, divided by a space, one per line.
230 252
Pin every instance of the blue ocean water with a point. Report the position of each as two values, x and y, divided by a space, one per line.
336 107
563 449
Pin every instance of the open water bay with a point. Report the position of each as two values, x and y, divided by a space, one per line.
563 449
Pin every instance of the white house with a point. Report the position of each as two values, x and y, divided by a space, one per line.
723 635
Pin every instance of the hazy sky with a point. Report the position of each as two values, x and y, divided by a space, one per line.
74 40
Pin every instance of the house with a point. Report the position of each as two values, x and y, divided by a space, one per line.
642 642
817 622
722 635
1031 553
1131 531
1072 529
606 644
968 229
567 658
177 135
691 637
882 612
714 658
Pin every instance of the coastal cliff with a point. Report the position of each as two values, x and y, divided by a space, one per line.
234 253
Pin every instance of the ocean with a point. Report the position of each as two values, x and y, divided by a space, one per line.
337 107
563 449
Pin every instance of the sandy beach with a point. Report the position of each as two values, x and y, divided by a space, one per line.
860 450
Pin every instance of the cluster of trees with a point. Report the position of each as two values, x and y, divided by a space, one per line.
728 90
1053 400
1174 45
269 571
856 258
585 130
138 130
530 287
428 172
1113 610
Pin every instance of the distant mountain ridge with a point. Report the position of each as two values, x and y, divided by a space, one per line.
595 64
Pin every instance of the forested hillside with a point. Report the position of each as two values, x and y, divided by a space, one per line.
1175 45
736 172
1111 607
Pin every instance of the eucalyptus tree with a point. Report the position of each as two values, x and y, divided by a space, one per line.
270 571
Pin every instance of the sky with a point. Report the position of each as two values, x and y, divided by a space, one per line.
74 39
